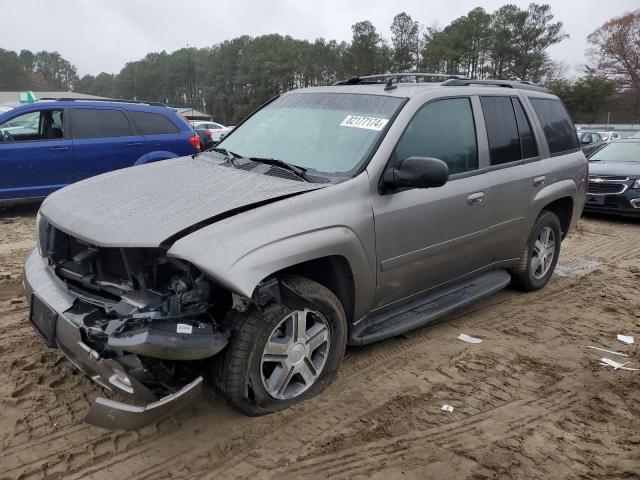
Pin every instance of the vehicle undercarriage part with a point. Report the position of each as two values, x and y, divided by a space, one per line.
170 341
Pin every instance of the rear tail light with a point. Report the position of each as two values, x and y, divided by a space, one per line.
194 140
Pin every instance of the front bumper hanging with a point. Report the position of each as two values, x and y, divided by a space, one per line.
114 374
113 415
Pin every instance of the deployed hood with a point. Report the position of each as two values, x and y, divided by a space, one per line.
628 169
145 205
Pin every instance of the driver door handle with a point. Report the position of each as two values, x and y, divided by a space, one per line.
59 149
475 198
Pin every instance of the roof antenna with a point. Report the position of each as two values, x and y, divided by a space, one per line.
390 85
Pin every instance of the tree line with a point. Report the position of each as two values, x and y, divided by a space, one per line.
232 78
36 71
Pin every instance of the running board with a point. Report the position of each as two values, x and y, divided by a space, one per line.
427 309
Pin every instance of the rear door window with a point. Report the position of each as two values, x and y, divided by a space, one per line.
442 129
528 145
99 123
556 124
508 130
502 129
149 123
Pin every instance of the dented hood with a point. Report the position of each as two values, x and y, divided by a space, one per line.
145 205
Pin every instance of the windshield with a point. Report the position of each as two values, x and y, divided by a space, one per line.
618 152
325 132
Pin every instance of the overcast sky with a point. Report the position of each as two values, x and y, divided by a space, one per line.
99 35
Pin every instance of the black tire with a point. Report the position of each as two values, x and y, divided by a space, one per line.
237 369
522 276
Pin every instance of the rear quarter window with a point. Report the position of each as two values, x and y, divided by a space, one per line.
153 123
556 124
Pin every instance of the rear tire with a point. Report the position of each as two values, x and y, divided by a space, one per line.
539 255
283 356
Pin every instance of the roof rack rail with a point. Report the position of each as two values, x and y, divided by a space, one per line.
80 99
391 76
521 84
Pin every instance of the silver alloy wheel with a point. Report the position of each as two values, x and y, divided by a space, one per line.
544 249
295 354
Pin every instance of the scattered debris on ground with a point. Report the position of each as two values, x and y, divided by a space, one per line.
466 338
628 339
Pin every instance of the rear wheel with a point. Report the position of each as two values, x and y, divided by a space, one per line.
540 254
278 358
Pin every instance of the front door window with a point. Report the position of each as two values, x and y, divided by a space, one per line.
442 129
33 126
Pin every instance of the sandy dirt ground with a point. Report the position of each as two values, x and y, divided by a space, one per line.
530 401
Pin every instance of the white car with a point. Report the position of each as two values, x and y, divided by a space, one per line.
608 136
216 131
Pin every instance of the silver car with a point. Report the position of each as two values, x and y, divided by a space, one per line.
215 131
334 215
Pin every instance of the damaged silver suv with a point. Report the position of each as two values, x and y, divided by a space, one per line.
331 216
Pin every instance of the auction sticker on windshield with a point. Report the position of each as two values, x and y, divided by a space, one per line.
370 123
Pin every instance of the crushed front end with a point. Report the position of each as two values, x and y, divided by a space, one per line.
136 322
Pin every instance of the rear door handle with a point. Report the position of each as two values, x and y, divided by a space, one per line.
540 181
59 149
134 144
475 198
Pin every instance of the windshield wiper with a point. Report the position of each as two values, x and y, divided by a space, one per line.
228 153
295 169
229 156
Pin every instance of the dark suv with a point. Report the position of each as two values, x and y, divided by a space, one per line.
342 214
48 144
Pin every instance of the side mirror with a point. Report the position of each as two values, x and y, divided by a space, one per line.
417 172
585 141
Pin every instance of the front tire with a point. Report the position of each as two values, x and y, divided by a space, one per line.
285 355
540 254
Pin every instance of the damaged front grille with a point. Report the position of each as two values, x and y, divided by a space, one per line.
111 272
135 300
